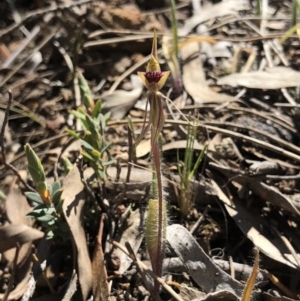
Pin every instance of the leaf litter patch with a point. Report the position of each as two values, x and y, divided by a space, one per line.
238 87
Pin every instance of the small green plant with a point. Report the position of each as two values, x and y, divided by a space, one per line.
48 209
94 146
187 171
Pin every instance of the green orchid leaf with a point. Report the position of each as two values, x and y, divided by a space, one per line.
56 197
34 197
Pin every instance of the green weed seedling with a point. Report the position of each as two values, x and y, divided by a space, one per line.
186 170
48 209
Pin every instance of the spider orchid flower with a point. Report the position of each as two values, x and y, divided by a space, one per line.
154 79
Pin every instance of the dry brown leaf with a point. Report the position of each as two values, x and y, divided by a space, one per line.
271 78
24 252
137 175
224 8
251 226
143 148
181 144
274 196
194 78
73 206
266 192
199 264
120 101
17 207
100 285
17 233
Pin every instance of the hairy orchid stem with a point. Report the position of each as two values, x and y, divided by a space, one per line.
154 79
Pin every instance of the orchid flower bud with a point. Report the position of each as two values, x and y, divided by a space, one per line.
37 173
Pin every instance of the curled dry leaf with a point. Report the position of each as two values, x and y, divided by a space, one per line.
266 192
17 207
201 268
120 101
143 148
17 233
252 225
194 78
137 175
274 196
73 206
271 78
230 7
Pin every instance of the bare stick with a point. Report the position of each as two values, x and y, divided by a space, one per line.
2 133
13 273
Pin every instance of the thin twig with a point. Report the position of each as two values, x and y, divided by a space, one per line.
43 266
2 133
12 275
229 133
